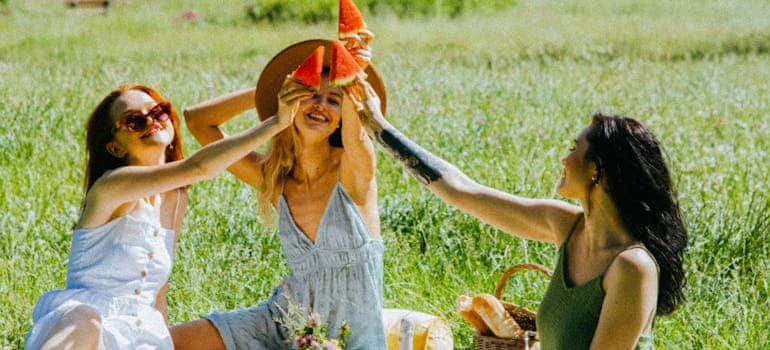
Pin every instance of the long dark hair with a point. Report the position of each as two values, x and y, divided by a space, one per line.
99 133
631 166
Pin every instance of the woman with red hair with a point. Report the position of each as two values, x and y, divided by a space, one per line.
123 243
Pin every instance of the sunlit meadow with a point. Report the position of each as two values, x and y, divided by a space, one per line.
499 94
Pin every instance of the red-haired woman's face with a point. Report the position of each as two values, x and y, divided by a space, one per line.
578 173
154 135
318 116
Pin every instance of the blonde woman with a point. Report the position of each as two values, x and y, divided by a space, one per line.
318 175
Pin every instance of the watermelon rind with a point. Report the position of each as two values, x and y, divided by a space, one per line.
342 82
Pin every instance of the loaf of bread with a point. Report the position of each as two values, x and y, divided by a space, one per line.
494 315
465 309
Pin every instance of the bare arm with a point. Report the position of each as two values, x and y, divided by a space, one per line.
537 219
358 160
632 290
204 122
133 182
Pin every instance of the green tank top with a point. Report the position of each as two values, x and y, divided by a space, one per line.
568 316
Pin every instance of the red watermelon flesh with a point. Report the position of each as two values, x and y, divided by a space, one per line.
344 67
350 19
309 72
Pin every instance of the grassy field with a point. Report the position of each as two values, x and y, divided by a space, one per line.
500 96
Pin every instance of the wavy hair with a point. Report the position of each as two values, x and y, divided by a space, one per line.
99 133
631 164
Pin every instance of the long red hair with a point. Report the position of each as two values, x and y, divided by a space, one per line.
99 133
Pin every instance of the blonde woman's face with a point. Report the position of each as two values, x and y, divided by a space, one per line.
318 116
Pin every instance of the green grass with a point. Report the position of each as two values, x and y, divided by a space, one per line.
499 96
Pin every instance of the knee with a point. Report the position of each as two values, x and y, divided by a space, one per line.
78 328
84 320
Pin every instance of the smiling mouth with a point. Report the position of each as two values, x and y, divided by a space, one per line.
152 131
317 117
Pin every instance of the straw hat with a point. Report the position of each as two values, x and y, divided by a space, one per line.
286 61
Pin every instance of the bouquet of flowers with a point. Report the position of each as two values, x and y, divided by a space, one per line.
309 332
313 335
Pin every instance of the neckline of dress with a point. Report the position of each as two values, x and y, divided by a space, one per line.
126 216
318 232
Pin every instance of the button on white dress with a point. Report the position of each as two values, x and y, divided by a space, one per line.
117 269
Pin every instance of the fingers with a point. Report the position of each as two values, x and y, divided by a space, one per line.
362 53
366 36
351 102
353 94
289 83
294 95
367 89
361 39
293 90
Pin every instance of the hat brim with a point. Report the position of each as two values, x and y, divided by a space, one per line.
286 61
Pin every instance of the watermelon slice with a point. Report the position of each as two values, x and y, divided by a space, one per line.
350 19
344 69
309 72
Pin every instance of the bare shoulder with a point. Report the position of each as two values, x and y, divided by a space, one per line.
633 266
565 219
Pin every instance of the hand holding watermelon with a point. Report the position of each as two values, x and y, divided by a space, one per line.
291 93
358 46
352 30
364 98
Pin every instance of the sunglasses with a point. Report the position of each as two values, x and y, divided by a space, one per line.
136 121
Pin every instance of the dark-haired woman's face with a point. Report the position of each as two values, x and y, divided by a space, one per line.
144 140
577 174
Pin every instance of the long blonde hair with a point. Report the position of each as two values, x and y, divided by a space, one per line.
278 162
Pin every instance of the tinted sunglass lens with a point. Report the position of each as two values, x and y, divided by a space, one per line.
136 123
159 113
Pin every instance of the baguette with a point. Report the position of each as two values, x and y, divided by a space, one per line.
496 318
465 310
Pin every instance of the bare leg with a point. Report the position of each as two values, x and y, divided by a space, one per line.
197 335
78 328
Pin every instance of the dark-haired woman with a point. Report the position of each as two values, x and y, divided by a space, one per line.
123 242
620 251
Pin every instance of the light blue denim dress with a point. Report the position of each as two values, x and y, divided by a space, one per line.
339 277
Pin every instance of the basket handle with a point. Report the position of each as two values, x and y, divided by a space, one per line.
516 268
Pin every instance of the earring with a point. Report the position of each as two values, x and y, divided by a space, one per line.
116 151
595 178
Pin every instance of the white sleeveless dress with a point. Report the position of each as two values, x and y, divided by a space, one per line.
117 269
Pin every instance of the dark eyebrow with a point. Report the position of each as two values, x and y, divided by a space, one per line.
335 93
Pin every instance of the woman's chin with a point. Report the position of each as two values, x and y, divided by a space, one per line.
315 132
160 139
560 190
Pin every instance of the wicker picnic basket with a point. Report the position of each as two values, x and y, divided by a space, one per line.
525 318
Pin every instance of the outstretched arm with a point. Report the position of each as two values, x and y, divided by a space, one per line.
204 121
545 220
133 182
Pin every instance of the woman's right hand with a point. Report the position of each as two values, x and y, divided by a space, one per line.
291 93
